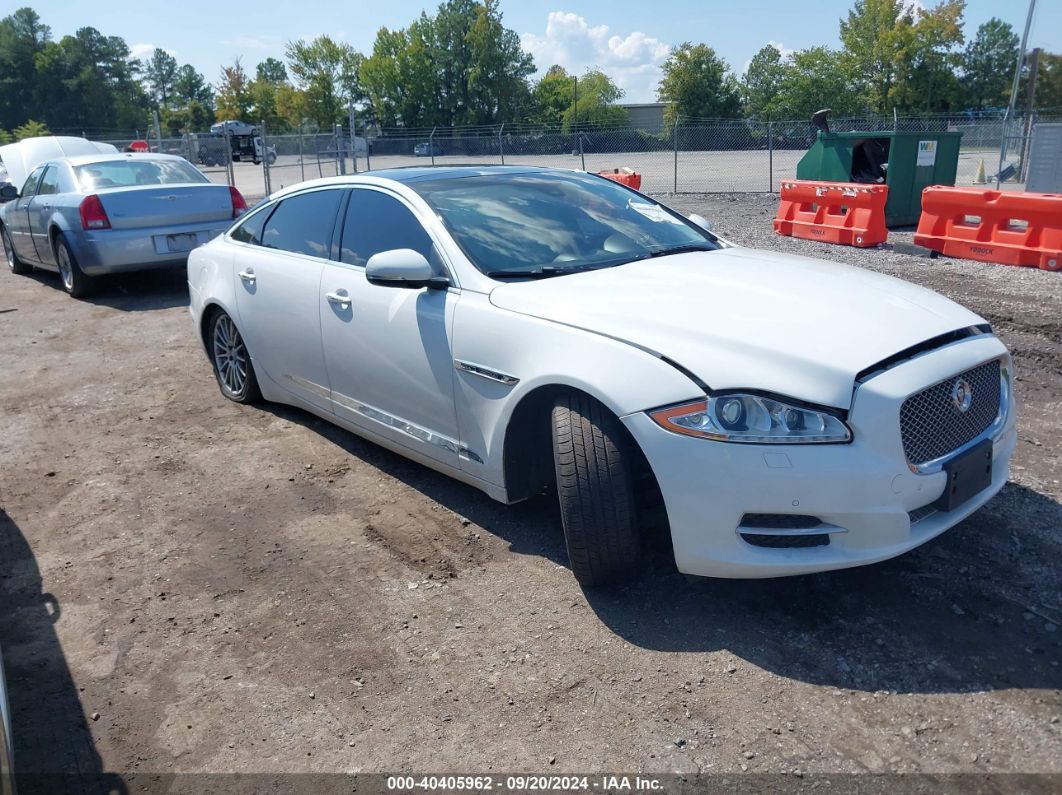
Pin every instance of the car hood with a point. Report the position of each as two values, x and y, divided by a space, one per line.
743 318
22 157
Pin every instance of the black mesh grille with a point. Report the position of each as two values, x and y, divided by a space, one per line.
787 542
780 521
918 514
932 425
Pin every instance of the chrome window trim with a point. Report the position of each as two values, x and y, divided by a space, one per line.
991 432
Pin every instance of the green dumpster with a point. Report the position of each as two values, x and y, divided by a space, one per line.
905 161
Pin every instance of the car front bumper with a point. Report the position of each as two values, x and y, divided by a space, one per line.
121 250
863 492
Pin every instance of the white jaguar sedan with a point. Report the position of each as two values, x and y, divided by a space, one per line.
521 328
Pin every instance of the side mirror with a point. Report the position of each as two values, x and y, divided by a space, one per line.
403 267
8 193
701 221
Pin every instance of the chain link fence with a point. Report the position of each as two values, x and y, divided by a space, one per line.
691 156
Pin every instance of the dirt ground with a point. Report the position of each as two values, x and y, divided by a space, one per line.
192 586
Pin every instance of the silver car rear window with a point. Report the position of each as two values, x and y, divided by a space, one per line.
129 173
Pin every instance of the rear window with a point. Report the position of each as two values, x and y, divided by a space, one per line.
128 173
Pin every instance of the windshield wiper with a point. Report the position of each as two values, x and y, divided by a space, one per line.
544 272
683 249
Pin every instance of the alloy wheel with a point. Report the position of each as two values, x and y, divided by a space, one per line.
9 253
230 356
66 268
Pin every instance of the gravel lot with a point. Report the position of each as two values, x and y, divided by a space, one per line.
193 586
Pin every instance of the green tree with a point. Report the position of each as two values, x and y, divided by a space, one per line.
763 82
400 78
86 82
928 81
905 56
327 72
875 35
553 95
31 129
5 137
498 69
190 86
697 83
460 66
290 105
271 71
814 79
988 63
1049 82
595 106
160 74
22 38
233 99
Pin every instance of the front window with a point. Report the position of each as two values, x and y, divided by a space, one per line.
543 224
30 188
139 171
302 224
377 222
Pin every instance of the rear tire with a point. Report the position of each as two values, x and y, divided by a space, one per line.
232 362
74 279
592 456
17 266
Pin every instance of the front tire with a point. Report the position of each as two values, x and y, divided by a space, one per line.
17 266
592 456
74 279
232 362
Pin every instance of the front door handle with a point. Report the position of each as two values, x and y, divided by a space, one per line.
248 276
339 297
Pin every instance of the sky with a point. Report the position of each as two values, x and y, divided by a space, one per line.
628 40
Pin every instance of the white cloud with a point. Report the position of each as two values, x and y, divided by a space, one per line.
251 42
633 60
144 50
784 51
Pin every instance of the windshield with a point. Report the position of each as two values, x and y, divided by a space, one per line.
551 223
141 171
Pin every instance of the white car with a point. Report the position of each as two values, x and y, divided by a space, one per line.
518 328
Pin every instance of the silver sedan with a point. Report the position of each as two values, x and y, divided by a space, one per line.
93 214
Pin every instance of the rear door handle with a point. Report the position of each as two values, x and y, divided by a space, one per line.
248 276
338 297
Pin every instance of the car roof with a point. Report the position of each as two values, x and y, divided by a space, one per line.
80 160
418 173
410 175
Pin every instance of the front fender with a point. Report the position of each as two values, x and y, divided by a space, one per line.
541 353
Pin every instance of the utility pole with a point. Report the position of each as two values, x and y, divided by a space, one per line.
1030 107
1014 89
576 118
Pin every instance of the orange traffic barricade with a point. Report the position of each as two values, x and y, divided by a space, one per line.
987 225
849 213
624 176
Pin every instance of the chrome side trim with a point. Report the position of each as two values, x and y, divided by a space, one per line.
309 386
411 429
991 432
822 529
486 372
421 434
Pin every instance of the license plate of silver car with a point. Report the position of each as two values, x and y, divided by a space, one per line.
182 242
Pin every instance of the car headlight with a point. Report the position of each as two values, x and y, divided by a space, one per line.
752 419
